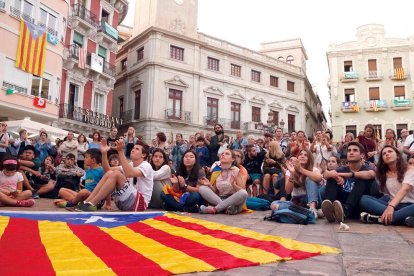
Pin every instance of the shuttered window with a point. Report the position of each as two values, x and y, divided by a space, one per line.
399 91
78 38
374 93
372 65
397 62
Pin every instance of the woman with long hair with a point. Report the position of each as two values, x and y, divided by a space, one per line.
162 174
130 139
272 165
369 142
301 181
396 181
96 141
343 147
82 148
183 193
225 191
390 139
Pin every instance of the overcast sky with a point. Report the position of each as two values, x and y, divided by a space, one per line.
318 23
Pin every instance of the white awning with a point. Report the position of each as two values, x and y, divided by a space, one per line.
33 129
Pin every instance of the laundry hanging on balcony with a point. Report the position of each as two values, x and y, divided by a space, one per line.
31 49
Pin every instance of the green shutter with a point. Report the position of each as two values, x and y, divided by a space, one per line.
78 38
102 52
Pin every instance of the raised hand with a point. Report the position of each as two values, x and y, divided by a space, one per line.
120 144
104 146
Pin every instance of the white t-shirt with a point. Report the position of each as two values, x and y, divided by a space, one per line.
408 141
163 173
9 183
393 186
302 190
145 183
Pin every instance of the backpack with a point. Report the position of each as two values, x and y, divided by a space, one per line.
293 214
259 204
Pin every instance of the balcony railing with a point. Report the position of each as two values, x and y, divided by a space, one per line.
86 116
401 104
399 74
2 5
108 30
129 115
50 30
179 115
18 13
348 106
373 75
376 105
108 68
349 76
85 14
73 51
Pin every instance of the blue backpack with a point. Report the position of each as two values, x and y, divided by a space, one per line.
293 214
258 204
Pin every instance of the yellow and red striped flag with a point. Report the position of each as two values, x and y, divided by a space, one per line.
31 50
135 244
399 73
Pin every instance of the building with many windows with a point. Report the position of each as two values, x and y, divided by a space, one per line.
19 88
371 82
88 74
172 78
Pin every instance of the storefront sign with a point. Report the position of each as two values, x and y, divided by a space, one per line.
99 119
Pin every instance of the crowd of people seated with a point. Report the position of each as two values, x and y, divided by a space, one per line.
361 177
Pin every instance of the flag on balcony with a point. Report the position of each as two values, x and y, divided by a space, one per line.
374 105
82 58
9 91
53 39
355 107
31 48
39 102
135 244
399 73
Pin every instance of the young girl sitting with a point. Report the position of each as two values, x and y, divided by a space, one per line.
11 184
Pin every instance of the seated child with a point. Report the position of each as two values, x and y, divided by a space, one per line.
94 174
11 185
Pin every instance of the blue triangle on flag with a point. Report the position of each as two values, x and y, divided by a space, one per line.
102 219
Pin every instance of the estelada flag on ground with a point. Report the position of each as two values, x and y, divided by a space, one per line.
134 244
31 49
39 102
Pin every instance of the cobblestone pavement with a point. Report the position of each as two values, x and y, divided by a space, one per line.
366 249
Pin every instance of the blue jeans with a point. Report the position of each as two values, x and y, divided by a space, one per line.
312 194
377 206
193 199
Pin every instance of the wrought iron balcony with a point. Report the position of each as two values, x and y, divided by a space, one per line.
50 30
349 76
87 116
86 15
2 5
376 105
108 68
130 115
401 104
348 106
108 30
373 76
178 115
20 14
73 51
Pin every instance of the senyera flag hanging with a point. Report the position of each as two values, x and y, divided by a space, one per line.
134 244
31 48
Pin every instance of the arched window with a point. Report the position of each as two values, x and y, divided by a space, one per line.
281 58
289 59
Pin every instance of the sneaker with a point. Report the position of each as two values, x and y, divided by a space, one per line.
207 209
88 207
25 203
60 203
367 218
328 210
232 210
338 211
409 221
35 195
